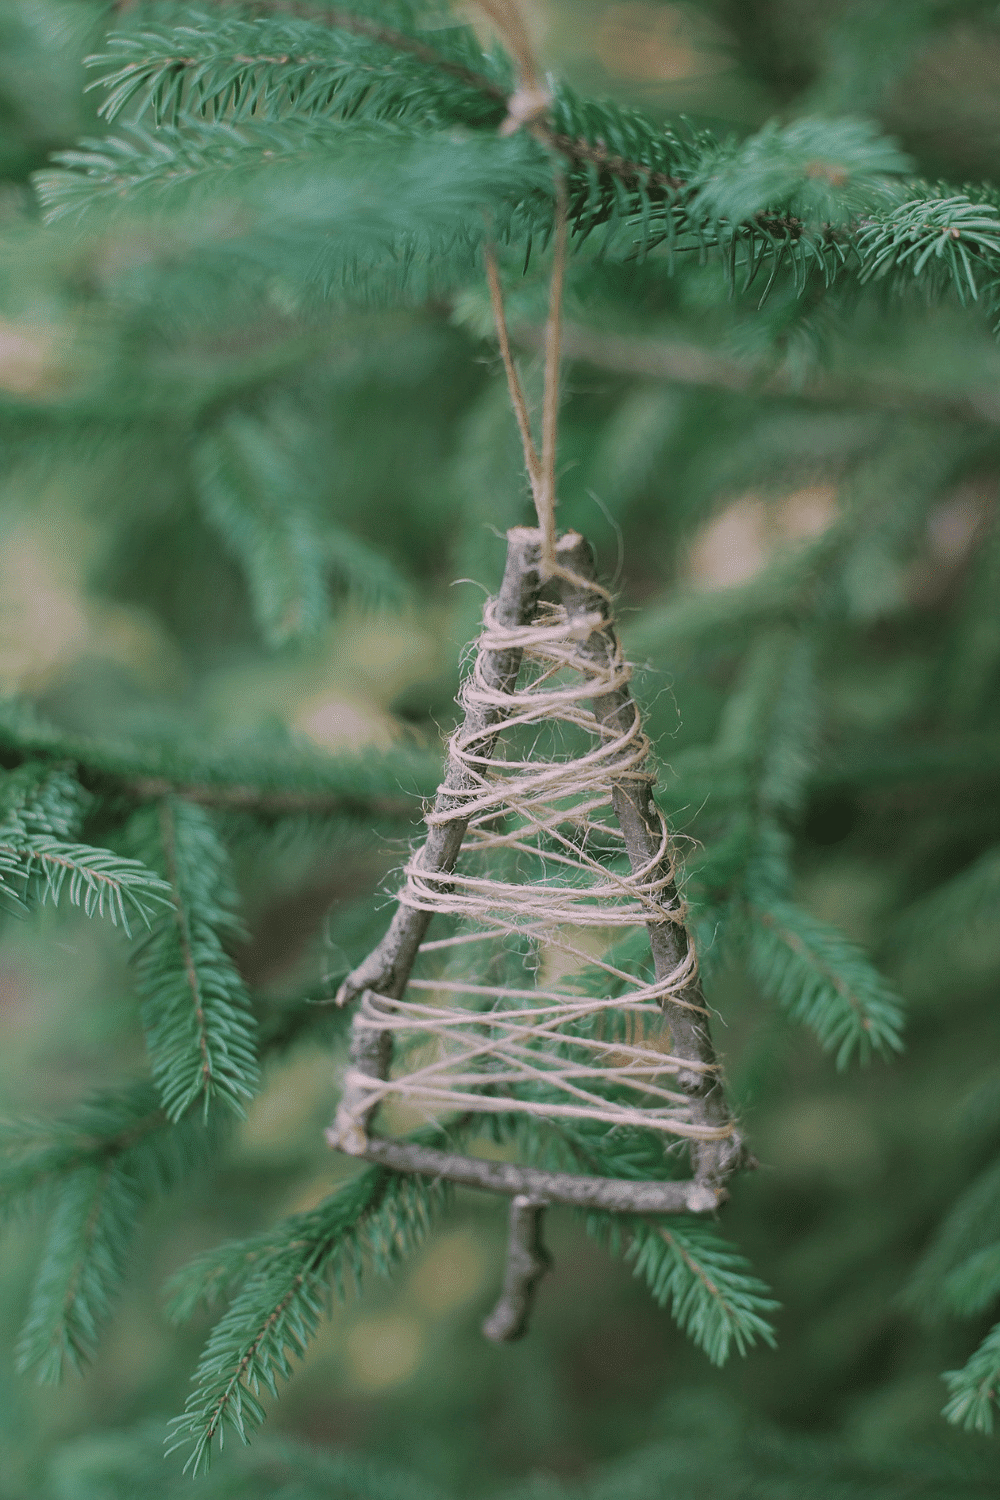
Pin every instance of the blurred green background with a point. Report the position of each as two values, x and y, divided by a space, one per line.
122 615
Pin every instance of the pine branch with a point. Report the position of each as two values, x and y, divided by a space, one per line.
41 798
699 1276
282 1283
40 807
267 780
253 493
770 721
975 1388
972 1286
234 68
677 361
812 200
95 879
98 1167
972 1226
823 980
964 904
820 172
306 175
943 238
767 739
199 1026
761 761
82 1268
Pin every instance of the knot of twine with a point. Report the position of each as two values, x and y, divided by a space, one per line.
550 1050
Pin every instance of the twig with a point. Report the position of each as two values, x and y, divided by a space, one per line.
527 1262
387 968
639 821
614 1194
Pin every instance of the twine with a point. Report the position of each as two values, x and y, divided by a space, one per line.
550 1051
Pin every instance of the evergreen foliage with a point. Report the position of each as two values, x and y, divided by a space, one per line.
281 1283
38 863
251 341
96 1169
823 981
703 1281
199 1025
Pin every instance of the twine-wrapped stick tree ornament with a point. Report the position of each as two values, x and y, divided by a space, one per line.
545 854
525 857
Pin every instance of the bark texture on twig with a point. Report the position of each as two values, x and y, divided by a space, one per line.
640 825
527 1262
614 1194
387 968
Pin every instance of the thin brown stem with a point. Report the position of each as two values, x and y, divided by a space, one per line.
527 1262
613 1194
267 802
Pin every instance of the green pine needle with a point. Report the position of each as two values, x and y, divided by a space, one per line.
40 808
823 980
702 1279
273 68
975 1388
97 1168
254 494
972 1286
966 903
283 1286
199 1025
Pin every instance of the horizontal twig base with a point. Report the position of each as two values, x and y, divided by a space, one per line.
616 1195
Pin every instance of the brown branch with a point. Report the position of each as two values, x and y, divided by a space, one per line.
387 968
613 1194
688 364
239 797
527 1262
635 809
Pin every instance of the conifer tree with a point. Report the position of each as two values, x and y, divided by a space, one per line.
276 371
